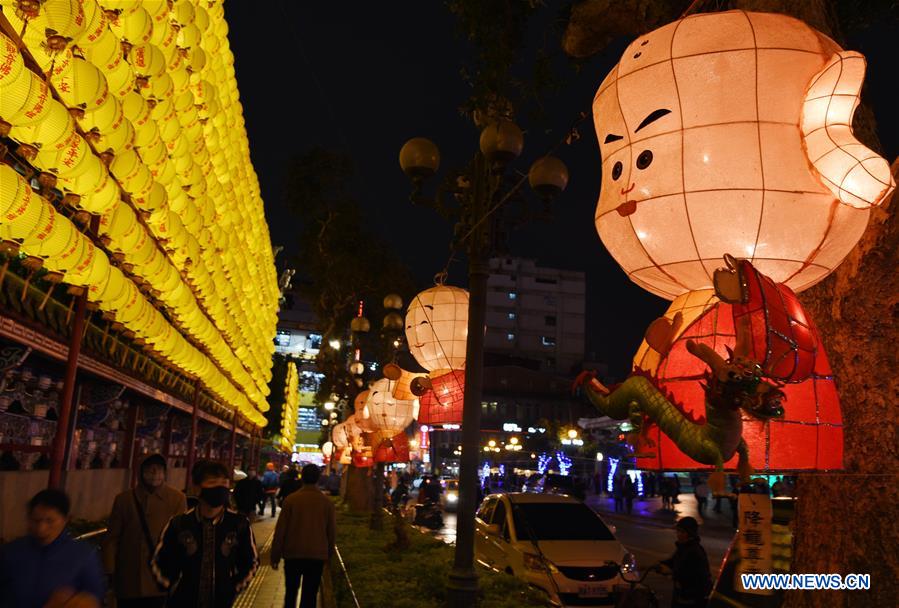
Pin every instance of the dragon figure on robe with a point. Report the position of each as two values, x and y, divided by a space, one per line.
771 349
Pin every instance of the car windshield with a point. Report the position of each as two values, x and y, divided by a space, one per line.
558 521
452 485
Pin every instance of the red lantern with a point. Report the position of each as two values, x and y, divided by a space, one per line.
443 404
391 449
810 434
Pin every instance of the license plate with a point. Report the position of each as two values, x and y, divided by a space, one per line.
593 591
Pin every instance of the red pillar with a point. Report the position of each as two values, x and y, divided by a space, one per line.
131 451
192 440
167 435
59 448
233 441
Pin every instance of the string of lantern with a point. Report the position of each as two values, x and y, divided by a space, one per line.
151 87
290 411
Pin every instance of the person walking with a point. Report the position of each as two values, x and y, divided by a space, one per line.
48 567
289 485
248 493
628 491
665 491
701 491
208 555
137 519
618 493
689 567
304 539
270 485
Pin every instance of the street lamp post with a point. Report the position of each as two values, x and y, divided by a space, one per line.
477 211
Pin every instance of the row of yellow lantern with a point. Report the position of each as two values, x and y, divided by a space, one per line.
171 163
142 61
290 410
28 219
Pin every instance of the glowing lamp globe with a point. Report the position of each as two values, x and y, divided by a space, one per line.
419 158
731 132
437 328
501 142
548 177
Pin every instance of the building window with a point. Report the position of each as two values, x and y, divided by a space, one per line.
510 337
511 316
546 281
283 338
549 300
512 295
550 320
315 342
548 341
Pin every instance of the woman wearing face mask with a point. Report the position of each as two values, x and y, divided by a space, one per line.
207 555
135 524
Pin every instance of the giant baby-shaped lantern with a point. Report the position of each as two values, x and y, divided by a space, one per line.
728 136
437 334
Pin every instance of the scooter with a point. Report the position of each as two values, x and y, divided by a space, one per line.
429 515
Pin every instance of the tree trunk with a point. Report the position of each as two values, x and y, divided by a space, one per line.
847 523
358 494
377 497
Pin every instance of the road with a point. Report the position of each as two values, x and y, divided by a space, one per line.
649 534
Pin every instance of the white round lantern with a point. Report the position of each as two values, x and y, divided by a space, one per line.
328 449
437 327
731 133
383 412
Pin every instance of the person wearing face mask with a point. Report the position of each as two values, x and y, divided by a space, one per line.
137 518
48 568
208 555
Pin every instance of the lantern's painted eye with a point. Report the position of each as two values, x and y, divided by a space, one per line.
644 160
616 170
425 322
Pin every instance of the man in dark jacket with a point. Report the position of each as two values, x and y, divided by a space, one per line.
289 484
304 538
689 566
135 524
248 493
48 565
207 555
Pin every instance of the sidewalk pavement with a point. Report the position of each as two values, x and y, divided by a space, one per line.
266 590
649 511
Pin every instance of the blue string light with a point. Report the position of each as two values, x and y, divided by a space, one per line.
613 466
543 462
564 463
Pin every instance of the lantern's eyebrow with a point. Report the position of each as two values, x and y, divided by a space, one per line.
611 137
653 116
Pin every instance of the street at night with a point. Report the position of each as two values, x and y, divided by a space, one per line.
461 303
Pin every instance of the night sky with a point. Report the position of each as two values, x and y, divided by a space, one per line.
366 77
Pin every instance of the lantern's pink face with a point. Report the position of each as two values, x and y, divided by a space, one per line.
704 127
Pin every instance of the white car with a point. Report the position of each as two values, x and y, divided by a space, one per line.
554 542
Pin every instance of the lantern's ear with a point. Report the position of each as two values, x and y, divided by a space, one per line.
856 175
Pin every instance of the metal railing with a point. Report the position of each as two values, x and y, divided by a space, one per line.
346 576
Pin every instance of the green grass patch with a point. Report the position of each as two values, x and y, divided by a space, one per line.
413 577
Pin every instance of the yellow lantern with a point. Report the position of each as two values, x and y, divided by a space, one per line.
730 133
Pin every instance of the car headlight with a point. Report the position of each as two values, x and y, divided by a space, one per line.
451 497
535 562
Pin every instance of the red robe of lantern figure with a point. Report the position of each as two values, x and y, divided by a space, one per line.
443 403
392 449
783 340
